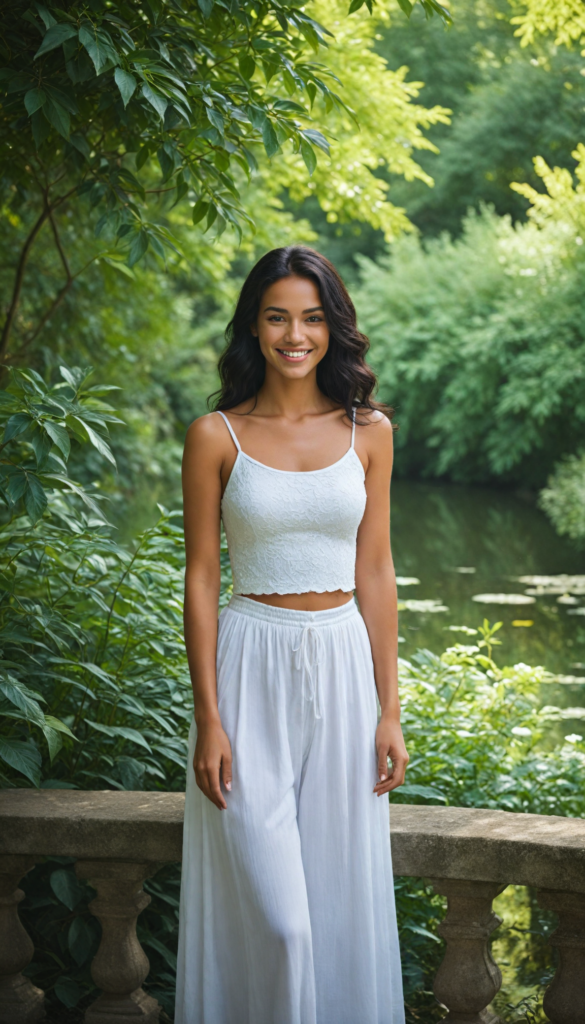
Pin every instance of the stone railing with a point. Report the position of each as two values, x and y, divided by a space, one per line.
120 839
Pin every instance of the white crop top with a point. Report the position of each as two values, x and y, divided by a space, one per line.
293 532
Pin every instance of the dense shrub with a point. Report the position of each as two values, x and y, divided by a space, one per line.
563 499
480 346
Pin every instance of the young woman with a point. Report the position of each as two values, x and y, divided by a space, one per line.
287 902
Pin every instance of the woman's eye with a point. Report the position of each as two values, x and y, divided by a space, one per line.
314 319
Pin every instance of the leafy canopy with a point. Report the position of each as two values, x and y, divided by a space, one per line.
565 19
133 110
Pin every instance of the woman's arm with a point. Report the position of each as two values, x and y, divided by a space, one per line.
203 461
376 593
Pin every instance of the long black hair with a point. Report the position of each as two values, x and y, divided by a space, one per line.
342 375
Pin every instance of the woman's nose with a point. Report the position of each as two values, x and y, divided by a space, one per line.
296 331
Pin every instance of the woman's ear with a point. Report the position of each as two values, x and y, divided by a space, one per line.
254 330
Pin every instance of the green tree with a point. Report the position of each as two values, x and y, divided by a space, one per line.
128 112
509 103
479 342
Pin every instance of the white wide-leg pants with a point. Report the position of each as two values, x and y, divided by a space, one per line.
287 902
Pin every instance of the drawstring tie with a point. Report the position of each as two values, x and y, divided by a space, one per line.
309 654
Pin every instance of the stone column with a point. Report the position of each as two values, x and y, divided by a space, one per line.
20 1001
564 1000
468 979
120 964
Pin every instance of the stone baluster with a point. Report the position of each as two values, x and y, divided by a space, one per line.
564 1000
120 964
20 1001
468 979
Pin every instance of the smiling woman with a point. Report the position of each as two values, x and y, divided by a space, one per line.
323 320
287 902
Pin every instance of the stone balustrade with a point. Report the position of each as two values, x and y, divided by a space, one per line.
120 839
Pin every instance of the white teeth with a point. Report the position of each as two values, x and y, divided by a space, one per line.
295 355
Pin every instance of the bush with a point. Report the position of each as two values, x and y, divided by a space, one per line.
563 499
479 345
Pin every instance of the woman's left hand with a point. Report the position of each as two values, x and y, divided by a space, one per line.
390 745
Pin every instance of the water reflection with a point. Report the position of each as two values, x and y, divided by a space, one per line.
465 541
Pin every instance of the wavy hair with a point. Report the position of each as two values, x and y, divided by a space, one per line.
342 375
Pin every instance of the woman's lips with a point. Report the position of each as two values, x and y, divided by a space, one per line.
294 355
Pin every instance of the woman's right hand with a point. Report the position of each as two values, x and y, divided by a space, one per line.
212 762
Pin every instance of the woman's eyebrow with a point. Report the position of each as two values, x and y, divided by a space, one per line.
278 309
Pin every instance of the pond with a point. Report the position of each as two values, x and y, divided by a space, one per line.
463 542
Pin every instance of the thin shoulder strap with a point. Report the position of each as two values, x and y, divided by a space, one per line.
353 427
230 428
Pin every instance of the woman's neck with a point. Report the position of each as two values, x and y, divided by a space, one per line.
280 396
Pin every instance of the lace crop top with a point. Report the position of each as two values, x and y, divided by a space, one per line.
293 532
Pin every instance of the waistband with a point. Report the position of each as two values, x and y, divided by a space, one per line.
289 616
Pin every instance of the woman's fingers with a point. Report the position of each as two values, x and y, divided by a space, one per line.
226 769
207 778
391 780
382 765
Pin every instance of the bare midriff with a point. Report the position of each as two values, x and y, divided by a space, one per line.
310 602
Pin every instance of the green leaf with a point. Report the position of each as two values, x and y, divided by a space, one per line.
66 888
317 139
427 792
216 119
199 210
269 139
126 84
419 930
58 117
40 128
48 18
406 6
35 499
22 698
138 247
68 992
308 156
247 66
155 99
80 940
131 773
17 485
99 47
34 100
16 425
206 7
97 441
58 726
55 37
58 435
142 156
80 143
23 757
123 732
54 741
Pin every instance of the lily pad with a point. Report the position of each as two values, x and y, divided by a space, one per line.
407 581
423 606
503 599
561 584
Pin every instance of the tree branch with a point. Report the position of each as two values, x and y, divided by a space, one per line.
46 213
19 276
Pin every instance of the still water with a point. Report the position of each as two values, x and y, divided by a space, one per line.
461 542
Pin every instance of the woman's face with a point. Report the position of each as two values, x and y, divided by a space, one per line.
291 327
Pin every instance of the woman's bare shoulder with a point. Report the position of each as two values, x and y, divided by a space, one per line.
376 435
207 435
